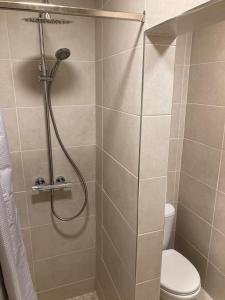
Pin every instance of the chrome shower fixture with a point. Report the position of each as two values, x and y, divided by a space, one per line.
45 18
61 54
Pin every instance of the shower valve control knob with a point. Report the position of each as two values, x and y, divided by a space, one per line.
39 181
60 179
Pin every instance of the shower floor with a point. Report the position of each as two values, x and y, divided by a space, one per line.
90 296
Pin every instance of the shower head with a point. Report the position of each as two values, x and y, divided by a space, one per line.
62 54
45 18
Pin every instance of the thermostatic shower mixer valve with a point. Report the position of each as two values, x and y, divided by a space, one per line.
60 184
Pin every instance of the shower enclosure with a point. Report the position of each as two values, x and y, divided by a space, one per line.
72 102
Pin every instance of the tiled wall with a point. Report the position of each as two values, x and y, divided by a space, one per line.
61 255
119 57
201 213
156 120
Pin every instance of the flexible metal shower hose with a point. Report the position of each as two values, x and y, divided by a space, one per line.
73 164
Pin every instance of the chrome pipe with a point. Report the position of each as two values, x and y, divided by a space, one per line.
71 11
46 110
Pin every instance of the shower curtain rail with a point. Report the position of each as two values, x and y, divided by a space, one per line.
72 11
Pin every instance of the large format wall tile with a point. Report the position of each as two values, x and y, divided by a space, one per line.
194 229
122 188
151 202
149 254
205 124
122 81
201 162
121 235
197 196
121 138
155 146
121 278
159 64
65 269
219 220
217 253
10 120
56 239
203 88
215 283
6 84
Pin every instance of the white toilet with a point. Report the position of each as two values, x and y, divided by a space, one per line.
179 278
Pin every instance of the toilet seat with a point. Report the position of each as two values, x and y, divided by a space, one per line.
178 275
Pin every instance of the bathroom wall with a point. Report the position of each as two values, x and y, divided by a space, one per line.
119 57
200 233
61 255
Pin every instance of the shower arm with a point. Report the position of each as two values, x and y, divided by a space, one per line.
72 11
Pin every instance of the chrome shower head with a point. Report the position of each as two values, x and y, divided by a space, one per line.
46 18
62 54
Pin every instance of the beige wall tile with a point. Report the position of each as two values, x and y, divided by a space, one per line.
201 162
149 290
122 281
215 283
10 120
149 256
98 35
99 164
171 185
208 44
17 172
121 235
203 88
172 161
32 128
205 124
57 239
67 203
198 260
219 220
122 188
19 33
105 280
155 146
217 253
221 184
122 80
175 121
99 126
6 84
22 208
197 232
4 52
159 71
121 132
81 118
65 269
151 203
178 83
122 35
84 157
99 82
69 291
197 196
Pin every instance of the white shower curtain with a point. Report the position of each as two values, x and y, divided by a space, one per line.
13 261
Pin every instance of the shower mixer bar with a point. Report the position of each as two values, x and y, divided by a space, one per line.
72 11
51 187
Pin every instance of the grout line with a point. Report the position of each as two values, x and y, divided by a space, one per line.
148 281
207 63
54 148
214 208
196 179
119 163
123 264
64 254
204 104
204 145
120 111
64 285
118 211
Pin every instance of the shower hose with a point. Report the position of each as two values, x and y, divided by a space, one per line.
69 158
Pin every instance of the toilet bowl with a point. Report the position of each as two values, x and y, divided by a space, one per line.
179 278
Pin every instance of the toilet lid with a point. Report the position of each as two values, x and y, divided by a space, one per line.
178 275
